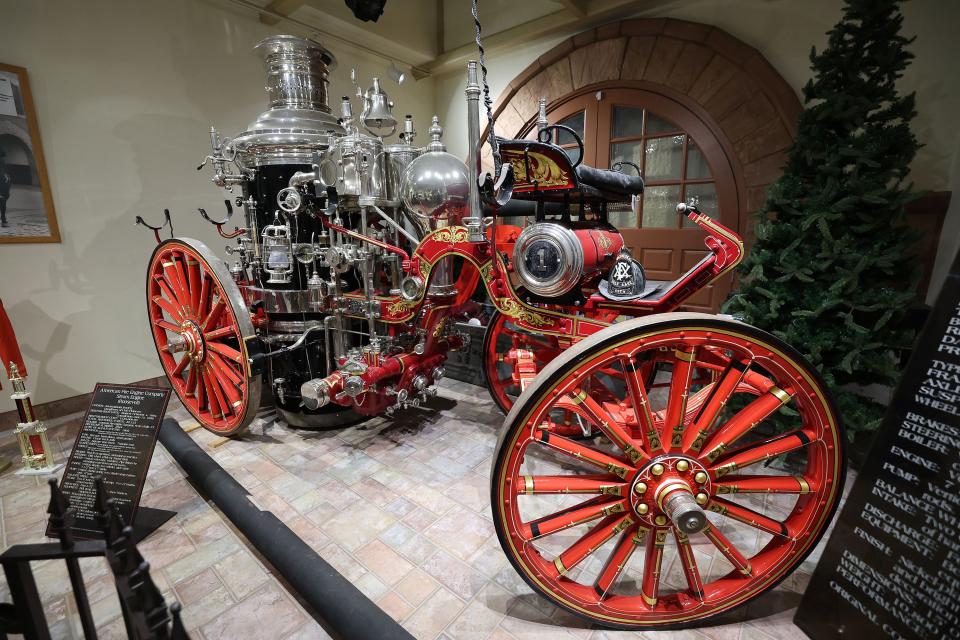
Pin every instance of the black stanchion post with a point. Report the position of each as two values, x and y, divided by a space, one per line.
61 521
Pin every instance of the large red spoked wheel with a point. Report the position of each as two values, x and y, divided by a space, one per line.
669 516
201 327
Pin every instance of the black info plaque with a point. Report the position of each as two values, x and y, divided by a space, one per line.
891 568
115 442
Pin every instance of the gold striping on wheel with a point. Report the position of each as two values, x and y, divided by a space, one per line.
558 563
780 394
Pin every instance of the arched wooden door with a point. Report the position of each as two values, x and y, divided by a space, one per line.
679 158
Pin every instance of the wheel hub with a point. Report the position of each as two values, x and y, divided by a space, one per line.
672 489
192 340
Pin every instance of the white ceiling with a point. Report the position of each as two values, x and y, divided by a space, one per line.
435 36
495 16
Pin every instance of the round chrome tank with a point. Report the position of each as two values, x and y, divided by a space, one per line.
298 122
548 258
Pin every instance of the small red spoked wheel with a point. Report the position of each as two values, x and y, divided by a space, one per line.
502 337
201 327
669 516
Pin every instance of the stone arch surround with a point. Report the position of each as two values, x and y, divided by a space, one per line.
744 101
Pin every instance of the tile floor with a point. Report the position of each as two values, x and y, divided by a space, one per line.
400 508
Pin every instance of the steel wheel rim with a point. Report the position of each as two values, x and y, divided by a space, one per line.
200 328
769 564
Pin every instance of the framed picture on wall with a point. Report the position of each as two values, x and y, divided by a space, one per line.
26 203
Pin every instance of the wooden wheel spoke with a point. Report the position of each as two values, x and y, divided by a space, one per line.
653 561
746 419
641 404
168 291
222 332
172 279
191 381
585 512
755 453
617 561
595 484
214 316
764 484
684 359
167 326
748 516
720 392
727 550
226 351
166 305
609 425
194 276
225 369
228 392
205 295
590 542
689 563
202 397
178 264
214 396
184 361
582 452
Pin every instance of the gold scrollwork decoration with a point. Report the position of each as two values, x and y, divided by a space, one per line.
543 170
513 309
451 234
400 307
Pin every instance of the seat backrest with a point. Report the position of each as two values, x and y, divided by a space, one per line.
538 166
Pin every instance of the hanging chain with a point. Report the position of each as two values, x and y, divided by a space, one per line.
487 102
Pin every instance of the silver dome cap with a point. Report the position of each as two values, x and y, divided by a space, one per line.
299 120
436 184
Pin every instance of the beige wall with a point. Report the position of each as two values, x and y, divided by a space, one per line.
125 92
783 31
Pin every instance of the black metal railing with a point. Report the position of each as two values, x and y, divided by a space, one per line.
145 614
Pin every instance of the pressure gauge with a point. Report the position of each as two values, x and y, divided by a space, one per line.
304 253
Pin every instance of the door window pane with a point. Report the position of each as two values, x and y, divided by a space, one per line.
660 206
664 158
627 122
623 215
657 125
630 151
697 167
705 196
574 153
575 122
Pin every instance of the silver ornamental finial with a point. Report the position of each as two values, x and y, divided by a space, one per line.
542 121
435 131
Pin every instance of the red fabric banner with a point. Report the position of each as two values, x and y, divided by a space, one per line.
9 349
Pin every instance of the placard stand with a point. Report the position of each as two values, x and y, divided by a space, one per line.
149 520
116 443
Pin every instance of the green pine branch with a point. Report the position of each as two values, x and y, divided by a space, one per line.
830 272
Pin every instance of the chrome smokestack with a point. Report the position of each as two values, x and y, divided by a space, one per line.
473 137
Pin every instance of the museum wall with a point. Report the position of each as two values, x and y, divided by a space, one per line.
783 31
125 93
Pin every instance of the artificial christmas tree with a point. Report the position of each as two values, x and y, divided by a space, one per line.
830 272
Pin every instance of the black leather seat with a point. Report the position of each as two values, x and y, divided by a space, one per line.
564 182
608 181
